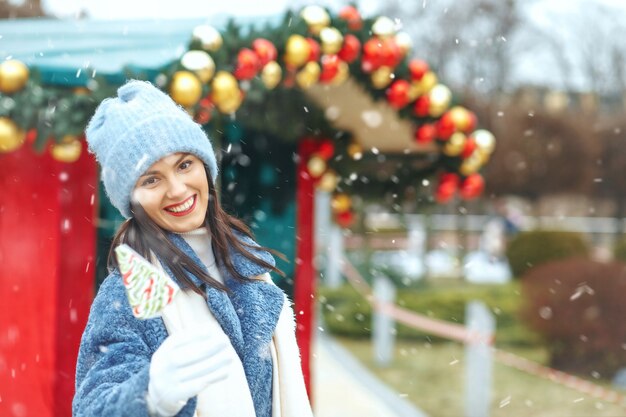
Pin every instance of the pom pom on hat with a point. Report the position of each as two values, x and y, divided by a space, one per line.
132 131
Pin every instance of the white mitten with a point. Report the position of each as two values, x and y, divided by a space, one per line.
184 365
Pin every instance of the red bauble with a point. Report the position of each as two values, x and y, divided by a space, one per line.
345 219
473 121
470 147
265 50
248 64
326 149
368 65
289 77
450 177
472 186
447 187
418 68
314 56
372 55
398 94
330 68
445 127
206 102
351 15
445 192
350 49
425 133
203 116
422 104
390 53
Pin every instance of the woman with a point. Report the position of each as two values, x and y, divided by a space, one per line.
225 346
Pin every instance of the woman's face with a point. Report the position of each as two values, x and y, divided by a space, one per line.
174 192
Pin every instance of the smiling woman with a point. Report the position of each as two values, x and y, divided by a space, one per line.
174 192
225 344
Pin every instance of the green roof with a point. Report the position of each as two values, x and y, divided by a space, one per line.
66 52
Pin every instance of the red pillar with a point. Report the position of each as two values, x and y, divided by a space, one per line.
46 238
304 286
78 202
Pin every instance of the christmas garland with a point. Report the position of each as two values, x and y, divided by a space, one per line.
260 74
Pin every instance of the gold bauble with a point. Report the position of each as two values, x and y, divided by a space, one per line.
455 144
461 117
209 37
384 27
230 105
439 99
382 77
297 51
471 164
415 90
11 136
81 91
355 151
185 88
271 75
341 203
308 75
328 182
485 140
68 150
13 76
224 87
316 166
404 42
332 40
424 85
343 72
484 156
200 63
316 18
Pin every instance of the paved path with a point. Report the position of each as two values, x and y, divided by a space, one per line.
344 388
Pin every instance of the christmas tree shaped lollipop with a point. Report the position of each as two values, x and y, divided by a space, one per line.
149 289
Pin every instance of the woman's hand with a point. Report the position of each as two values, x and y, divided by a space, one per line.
184 365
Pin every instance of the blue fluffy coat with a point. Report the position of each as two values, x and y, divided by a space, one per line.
115 351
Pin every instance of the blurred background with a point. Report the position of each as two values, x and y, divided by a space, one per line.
431 295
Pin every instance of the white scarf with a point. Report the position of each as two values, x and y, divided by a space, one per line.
232 396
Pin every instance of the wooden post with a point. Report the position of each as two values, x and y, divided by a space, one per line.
383 325
478 360
335 257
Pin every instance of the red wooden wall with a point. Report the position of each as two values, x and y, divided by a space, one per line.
47 257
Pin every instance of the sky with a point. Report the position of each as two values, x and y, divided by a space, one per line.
167 9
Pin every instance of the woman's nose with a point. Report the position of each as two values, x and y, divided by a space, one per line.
177 188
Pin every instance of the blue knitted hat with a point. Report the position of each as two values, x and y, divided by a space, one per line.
132 131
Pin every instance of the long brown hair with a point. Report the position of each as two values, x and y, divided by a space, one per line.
147 238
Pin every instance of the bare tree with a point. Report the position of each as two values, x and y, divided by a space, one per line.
472 44
588 46
28 8
541 154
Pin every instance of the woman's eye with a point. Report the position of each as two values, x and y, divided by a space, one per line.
185 165
149 181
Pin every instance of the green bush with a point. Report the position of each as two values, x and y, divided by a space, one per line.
529 249
619 250
346 313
